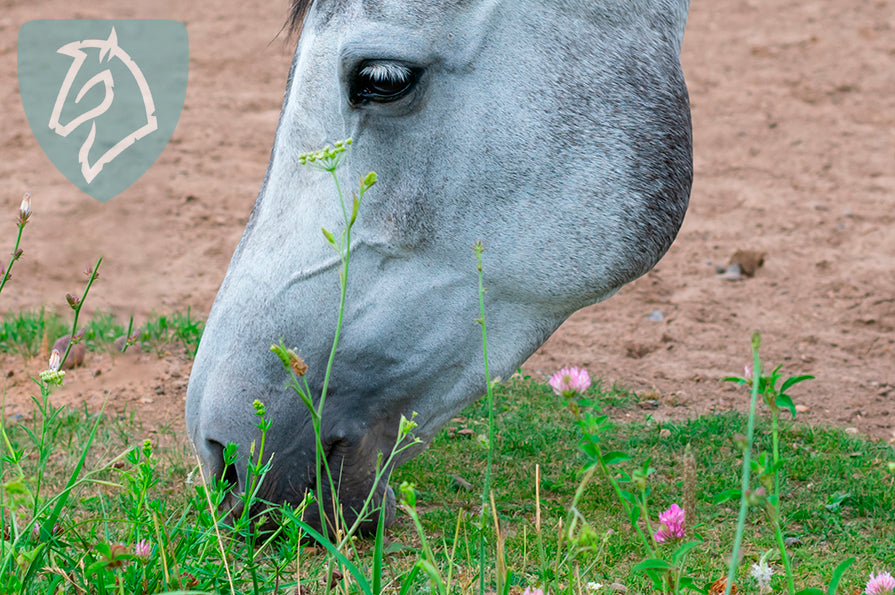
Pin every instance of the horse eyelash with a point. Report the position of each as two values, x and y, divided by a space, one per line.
385 71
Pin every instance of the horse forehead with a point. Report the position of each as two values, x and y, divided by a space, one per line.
416 12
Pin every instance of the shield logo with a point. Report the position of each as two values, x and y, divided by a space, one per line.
103 97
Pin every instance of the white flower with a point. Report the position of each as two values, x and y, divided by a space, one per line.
55 360
594 586
761 572
25 208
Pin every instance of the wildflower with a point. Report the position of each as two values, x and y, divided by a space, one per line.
881 584
55 360
142 550
25 209
53 375
530 591
672 525
761 572
570 382
592 586
73 301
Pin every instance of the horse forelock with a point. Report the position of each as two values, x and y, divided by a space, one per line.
297 14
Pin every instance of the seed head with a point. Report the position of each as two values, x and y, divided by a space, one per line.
297 364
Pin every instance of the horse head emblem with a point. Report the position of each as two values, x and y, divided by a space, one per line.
109 50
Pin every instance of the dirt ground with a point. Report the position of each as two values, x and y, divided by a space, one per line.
794 126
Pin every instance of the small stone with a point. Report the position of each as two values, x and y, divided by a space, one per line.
851 431
749 261
656 316
733 273
649 404
792 542
801 409
75 356
461 484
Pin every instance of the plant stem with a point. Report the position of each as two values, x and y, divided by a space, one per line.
747 453
486 489
74 324
775 413
781 545
12 258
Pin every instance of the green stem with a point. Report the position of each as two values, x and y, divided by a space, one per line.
486 490
747 466
74 324
618 492
781 545
12 258
774 435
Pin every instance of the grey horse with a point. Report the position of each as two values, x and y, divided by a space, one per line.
556 132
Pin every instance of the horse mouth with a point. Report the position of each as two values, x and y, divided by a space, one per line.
347 502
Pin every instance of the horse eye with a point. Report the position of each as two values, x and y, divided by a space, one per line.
381 82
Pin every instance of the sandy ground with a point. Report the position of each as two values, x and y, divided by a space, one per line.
793 112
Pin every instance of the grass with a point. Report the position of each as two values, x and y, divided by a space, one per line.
532 428
23 333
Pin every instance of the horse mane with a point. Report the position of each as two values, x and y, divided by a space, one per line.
297 15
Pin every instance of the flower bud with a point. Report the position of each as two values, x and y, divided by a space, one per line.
370 179
73 301
259 408
55 360
25 209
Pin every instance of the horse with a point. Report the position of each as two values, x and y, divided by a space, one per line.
555 132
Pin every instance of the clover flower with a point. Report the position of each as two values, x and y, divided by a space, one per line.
570 381
881 584
761 572
672 525
143 549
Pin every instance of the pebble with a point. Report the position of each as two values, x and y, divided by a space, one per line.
650 404
75 356
656 316
851 431
792 542
801 409
733 273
